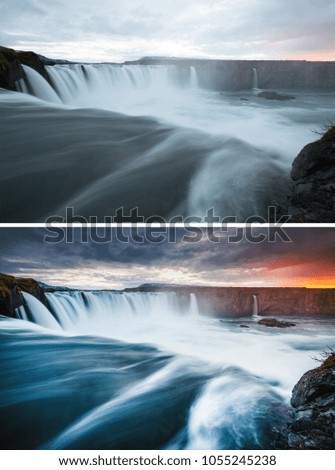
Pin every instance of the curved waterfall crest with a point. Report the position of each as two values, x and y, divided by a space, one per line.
73 84
66 310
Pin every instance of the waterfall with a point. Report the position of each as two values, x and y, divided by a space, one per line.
255 309
254 79
37 85
104 85
193 308
68 310
194 83
35 311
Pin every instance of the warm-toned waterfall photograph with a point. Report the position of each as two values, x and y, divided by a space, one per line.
135 344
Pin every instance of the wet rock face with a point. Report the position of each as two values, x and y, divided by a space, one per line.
313 400
312 197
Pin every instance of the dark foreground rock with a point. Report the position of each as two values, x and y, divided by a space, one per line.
274 323
273 95
11 297
313 400
312 197
11 66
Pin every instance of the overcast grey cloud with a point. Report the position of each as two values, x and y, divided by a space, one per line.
110 30
310 255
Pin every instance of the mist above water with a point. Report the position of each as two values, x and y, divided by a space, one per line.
105 136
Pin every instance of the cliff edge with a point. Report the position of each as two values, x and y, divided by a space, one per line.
312 195
11 297
313 400
11 69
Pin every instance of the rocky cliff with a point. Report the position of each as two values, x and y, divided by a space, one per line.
234 75
11 66
213 301
239 301
313 400
11 297
312 195
219 75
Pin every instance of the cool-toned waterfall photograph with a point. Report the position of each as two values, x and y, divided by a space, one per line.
170 346
167 111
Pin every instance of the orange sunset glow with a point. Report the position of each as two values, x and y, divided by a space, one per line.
322 282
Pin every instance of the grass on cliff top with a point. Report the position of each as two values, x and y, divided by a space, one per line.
327 359
6 284
327 132
329 363
329 135
8 56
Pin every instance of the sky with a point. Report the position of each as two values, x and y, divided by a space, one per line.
305 259
111 30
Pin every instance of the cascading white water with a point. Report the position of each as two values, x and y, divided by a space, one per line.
36 311
194 82
254 79
255 310
38 85
71 311
102 84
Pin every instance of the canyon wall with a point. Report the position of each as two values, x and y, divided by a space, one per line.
234 75
239 301
218 75
212 301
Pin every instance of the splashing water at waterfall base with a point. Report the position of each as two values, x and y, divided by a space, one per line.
158 137
141 370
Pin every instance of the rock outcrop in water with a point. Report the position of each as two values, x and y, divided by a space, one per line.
274 96
312 197
313 400
11 66
274 323
11 296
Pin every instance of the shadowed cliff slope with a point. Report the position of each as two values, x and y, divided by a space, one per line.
313 400
312 196
11 66
11 297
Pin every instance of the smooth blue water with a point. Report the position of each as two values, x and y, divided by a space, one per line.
147 371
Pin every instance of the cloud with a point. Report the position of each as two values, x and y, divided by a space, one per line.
117 264
112 30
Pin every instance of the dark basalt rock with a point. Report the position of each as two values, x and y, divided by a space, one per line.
313 400
10 69
312 195
11 66
11 297
273 95
274 323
